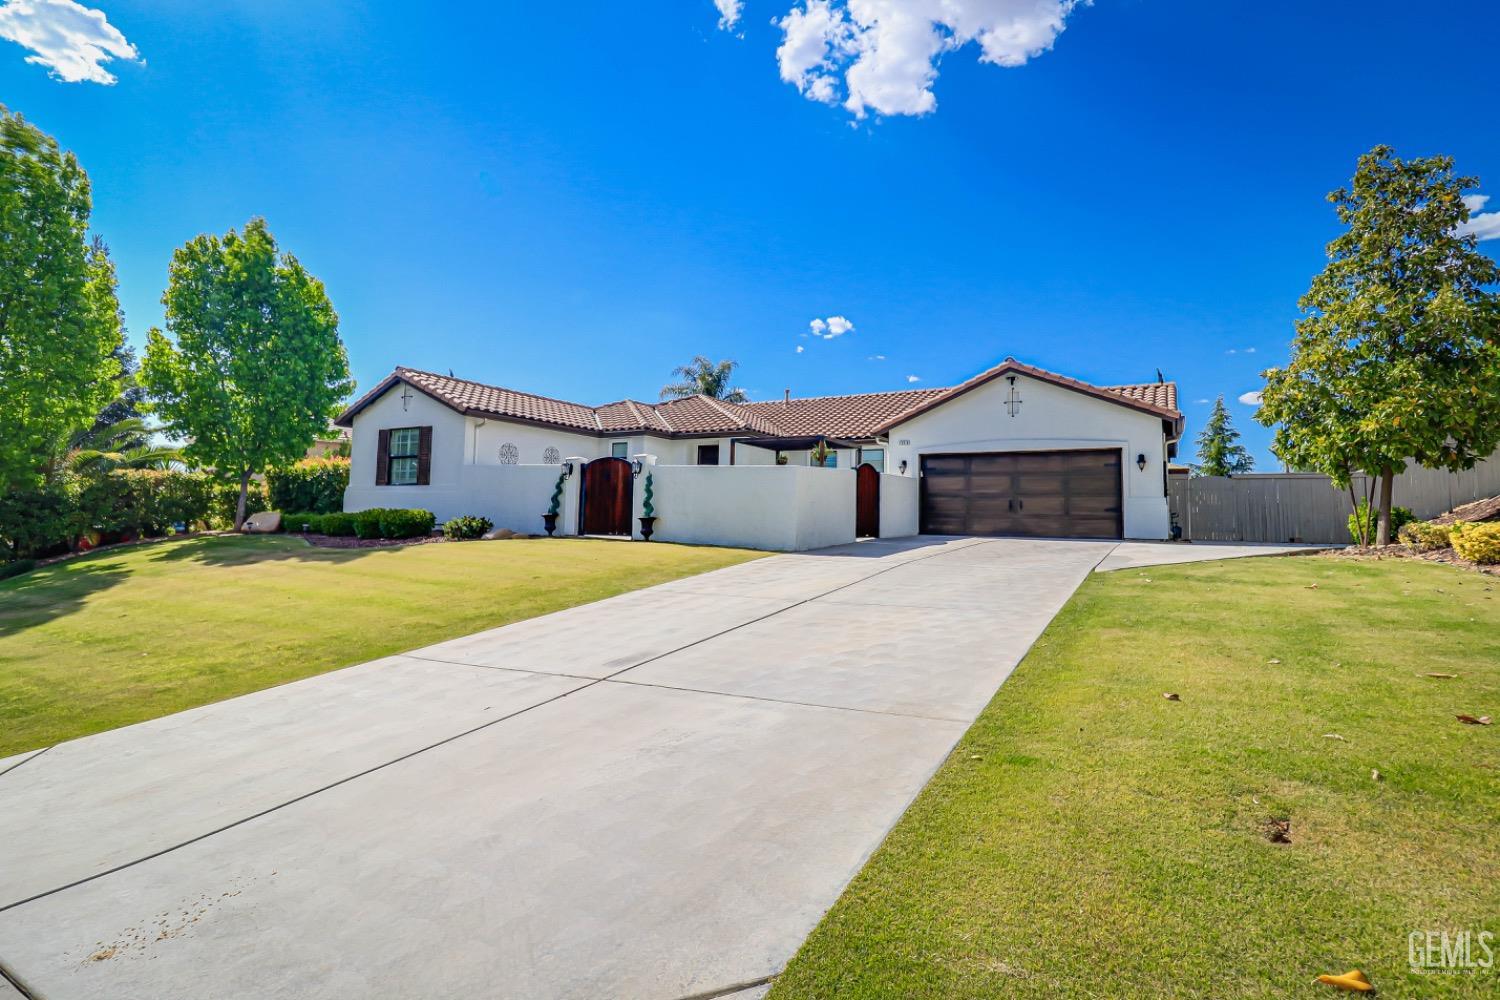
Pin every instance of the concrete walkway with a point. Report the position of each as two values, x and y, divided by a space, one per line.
654 796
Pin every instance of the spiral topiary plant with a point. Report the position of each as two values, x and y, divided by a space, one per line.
648 509
557 492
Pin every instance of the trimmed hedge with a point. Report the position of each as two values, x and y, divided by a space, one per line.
314 485
465 527
1425 536
339 524
226 495
1478 543
10 569
296 524
393 522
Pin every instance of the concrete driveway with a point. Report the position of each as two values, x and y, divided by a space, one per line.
655 796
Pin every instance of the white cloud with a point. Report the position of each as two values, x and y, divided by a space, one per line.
876 357
1200 401
833 326
913 378
1240 350
1484 225
1250 398
800 348
729 13
887 51
71 40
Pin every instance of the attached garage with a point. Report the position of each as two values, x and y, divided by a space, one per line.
1074 493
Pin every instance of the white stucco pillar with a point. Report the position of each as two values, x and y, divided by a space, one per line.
638 493
567 521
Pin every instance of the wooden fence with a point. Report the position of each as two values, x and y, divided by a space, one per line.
1305 507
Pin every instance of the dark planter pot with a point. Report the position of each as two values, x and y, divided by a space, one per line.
549 521
648 525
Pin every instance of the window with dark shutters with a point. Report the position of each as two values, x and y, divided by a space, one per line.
424 458
383 459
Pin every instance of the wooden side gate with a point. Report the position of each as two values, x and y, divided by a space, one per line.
607 497
867 502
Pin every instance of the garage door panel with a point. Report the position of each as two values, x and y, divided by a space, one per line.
1071 493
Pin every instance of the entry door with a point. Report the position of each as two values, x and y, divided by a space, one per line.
866 502
606 490
1052 494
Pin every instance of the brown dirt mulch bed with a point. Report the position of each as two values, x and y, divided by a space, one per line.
1402 552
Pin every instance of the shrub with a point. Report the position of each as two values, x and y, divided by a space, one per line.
406 523
1400 517
338 524
296 524
43 521
467 526
1478 543
1425 536
224 497
315 485
10 569
367 522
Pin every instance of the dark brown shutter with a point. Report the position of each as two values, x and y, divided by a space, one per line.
424 456
383 459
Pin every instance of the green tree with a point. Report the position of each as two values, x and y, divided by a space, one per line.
254 368
1219 450
703 376
59 315
1397 353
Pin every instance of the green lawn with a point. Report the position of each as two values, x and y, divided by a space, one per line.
1089 838
130 634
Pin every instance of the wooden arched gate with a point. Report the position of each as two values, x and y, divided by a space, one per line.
606 497
866 502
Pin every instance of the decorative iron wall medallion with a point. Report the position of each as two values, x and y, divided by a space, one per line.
509 454
551 456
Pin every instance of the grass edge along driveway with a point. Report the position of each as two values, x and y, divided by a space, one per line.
124 635
1089 837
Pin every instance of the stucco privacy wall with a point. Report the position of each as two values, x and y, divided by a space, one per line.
1049 417
899 506
512 496
781 508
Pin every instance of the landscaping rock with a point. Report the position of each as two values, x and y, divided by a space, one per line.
265 523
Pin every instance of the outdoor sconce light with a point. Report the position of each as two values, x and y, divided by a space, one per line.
1140 462
903 466
636 467
567 470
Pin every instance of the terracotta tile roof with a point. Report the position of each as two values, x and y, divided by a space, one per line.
1163 394
854 416
858 416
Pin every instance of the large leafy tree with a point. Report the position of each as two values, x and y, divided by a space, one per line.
704 376
60 320
253 368
1219 450
1397 353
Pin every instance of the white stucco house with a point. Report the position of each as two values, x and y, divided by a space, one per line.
1014 450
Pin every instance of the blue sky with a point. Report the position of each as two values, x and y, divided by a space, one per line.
572 199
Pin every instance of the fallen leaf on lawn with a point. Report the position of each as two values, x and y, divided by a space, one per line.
1446 677
1483 720
1374 775
1172 696
1335 736
1353 980
1279 831
1273 660
1311 586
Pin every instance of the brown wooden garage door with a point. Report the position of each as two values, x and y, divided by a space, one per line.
1056 494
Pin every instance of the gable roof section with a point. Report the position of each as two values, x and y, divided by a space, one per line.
1135 397
854 416
857 417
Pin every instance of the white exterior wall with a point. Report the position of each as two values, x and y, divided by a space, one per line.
751 506
388 412
486 436
899 506
1050 417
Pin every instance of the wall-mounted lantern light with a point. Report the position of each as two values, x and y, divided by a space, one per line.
567 470
636 467
1140 462
903 466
